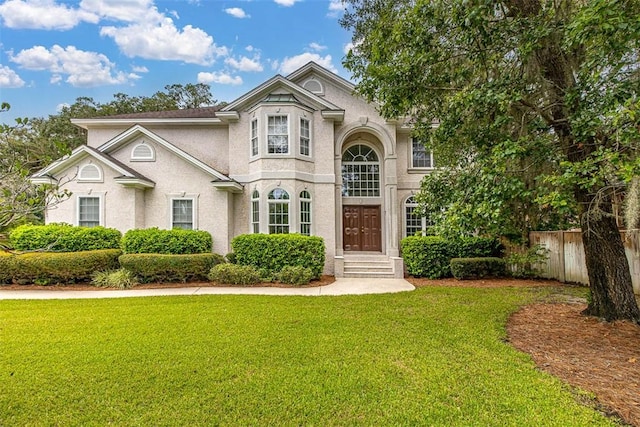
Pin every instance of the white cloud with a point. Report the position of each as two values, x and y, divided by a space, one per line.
286 3
165 42
236 12
221 78
317 47
9 78
140 69
335 8
43 15
347 47
125 11
289 65
245 64
249 48
82 68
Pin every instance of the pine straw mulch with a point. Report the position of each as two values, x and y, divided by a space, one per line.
598 357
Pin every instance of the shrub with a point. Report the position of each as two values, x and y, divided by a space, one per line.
295 275
64 238
477 268
231 257
56 267
430 256
170 268
529 263
234 274
175 242
120 279
273 252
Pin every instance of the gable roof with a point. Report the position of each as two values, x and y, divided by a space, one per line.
127 174
313 68
187 116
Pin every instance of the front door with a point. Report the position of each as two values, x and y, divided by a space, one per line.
361 228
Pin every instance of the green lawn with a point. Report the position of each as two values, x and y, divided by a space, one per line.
436 356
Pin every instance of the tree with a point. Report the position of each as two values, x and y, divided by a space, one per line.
563 75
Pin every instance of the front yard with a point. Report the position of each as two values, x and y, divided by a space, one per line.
435 356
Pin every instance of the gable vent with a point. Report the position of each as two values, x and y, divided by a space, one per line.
90 172
314 86
142 152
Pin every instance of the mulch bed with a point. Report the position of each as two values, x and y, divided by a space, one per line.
597 357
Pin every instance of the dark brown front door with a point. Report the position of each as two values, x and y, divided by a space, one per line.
361 228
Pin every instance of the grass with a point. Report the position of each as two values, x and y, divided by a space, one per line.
436 356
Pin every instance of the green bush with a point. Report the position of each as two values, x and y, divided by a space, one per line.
529 263
234 274
295 275
175 242
120 279
64 238
56 267
231 257
170 268
273 252
477 268
430 256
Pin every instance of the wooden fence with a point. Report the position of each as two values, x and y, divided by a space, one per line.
566 261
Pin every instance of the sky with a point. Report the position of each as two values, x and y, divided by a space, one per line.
54 51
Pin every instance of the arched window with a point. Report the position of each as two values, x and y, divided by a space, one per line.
143 152
255 211
278 211
305 213
90 172
360 172
413 223
314 86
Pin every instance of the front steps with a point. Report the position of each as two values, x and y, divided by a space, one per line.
363 265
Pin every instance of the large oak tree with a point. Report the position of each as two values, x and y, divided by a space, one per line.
560 75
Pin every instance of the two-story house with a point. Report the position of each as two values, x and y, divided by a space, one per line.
297 154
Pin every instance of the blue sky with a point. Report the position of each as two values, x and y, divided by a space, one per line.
54 51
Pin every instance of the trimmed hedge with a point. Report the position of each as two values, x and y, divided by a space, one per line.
56 267
273 252
234 274
295 275
64 238
170 268
478 268
174 242
430 256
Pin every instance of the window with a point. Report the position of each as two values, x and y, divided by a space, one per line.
90 172
305 137
414 224
305 213
278 211
420 157
278 135
360 172
255 212
182 214
88 211
254 137
142 152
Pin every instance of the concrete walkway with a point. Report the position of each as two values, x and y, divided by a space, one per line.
339 287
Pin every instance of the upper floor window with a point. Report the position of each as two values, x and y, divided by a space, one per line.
421 158
89 211
254 137
278 211
255 211
90 172
305 137
360 172
305 213
414 224
142 152
278 135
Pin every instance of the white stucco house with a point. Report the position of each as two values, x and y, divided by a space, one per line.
297 154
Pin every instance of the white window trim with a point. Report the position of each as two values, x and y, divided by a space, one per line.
251 138
292 211
150 158
182 196
423 220
310 124
251 222
101 209
100 178
418 168
266 130
299 213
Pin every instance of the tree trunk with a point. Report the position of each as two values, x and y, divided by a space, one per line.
612 296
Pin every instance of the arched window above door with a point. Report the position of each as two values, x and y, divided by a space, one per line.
360 172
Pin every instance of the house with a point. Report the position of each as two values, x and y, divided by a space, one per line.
297 154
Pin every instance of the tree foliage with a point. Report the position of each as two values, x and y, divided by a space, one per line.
535 101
